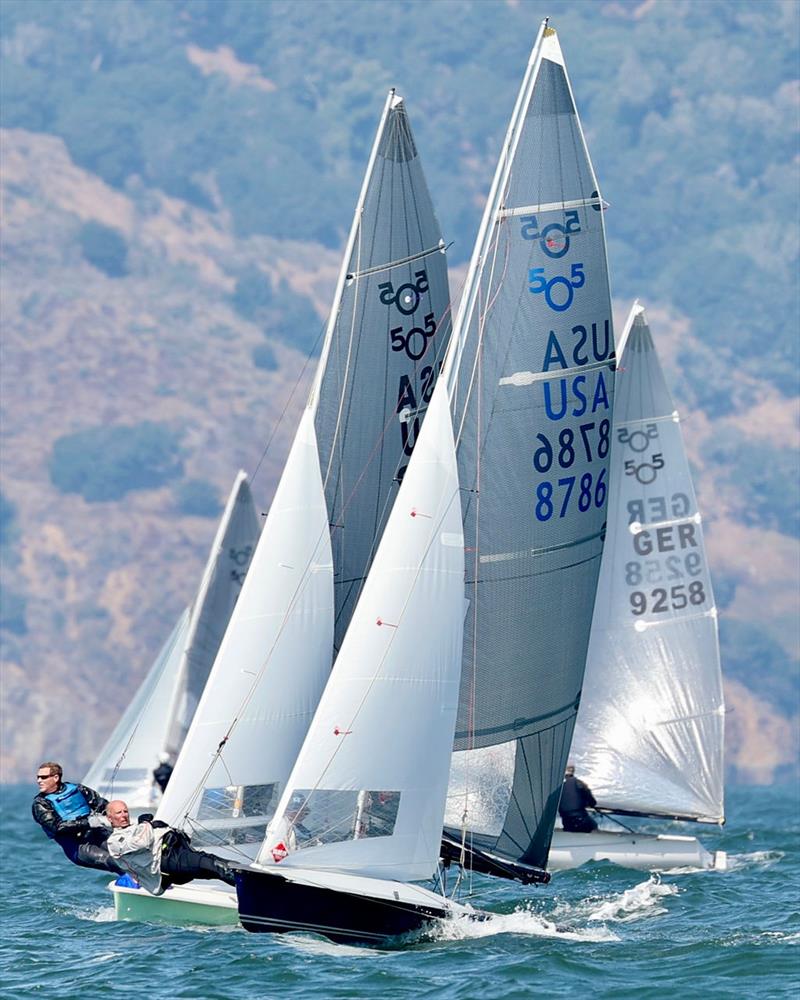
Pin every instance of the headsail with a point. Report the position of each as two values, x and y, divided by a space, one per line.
649 737
159 715
367 792
531 384
387 330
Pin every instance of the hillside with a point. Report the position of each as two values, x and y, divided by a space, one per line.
176 184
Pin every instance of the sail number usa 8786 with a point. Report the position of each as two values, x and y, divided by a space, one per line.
558 496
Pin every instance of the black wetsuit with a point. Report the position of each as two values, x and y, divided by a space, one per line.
180 862
83 845
576 797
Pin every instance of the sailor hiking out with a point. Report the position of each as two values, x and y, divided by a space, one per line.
73 816
157 855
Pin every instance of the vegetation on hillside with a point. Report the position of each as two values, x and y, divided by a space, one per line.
105 463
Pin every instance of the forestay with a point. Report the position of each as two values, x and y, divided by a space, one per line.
649 737
159 715
532 389
387 330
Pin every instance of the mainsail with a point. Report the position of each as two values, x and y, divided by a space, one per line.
649 737
158 717
531 388
386 334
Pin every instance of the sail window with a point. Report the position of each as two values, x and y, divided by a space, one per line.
480 787
326 816
234 814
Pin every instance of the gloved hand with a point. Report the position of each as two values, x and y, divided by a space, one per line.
98 820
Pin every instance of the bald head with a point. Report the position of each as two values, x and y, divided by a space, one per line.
117 812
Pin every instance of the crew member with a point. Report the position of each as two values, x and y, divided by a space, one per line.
73 816
158 856
576 797
163 772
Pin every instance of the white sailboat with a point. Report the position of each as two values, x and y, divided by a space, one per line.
478 605
649 738
386 334
155 723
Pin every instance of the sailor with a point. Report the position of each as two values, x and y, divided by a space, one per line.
158 856
73 816
163 772
576 797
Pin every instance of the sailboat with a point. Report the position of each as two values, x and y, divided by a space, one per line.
649 738
156 721
472 628
385 338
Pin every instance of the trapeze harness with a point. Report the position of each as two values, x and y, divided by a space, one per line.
69 803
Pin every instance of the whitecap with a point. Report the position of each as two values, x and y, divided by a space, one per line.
522 921
643 900
755 859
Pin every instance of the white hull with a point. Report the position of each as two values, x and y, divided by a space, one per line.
647 852
209 902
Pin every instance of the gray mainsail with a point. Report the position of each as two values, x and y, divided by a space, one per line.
372 400
531 385
650 730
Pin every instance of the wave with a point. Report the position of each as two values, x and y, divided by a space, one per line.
522 920
642 900
755 859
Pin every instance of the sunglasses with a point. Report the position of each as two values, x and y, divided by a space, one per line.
44 777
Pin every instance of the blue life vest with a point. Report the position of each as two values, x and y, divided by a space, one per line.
69 803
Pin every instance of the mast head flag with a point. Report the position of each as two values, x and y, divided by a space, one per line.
531 381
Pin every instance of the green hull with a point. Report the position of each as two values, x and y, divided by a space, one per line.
175 908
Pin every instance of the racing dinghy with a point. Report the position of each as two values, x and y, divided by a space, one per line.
385 338
649 737
489 560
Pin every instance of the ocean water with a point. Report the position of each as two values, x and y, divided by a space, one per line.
599 931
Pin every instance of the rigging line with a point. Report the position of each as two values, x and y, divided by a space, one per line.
258 677
338 444
298 381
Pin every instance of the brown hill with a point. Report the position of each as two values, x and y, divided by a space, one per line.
103 582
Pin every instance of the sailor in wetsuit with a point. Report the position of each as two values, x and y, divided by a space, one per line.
163 772
157 855
73 816
576 797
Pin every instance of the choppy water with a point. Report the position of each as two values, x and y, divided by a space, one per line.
600 931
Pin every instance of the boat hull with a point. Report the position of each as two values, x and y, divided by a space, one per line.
646 852
211 904
345 908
